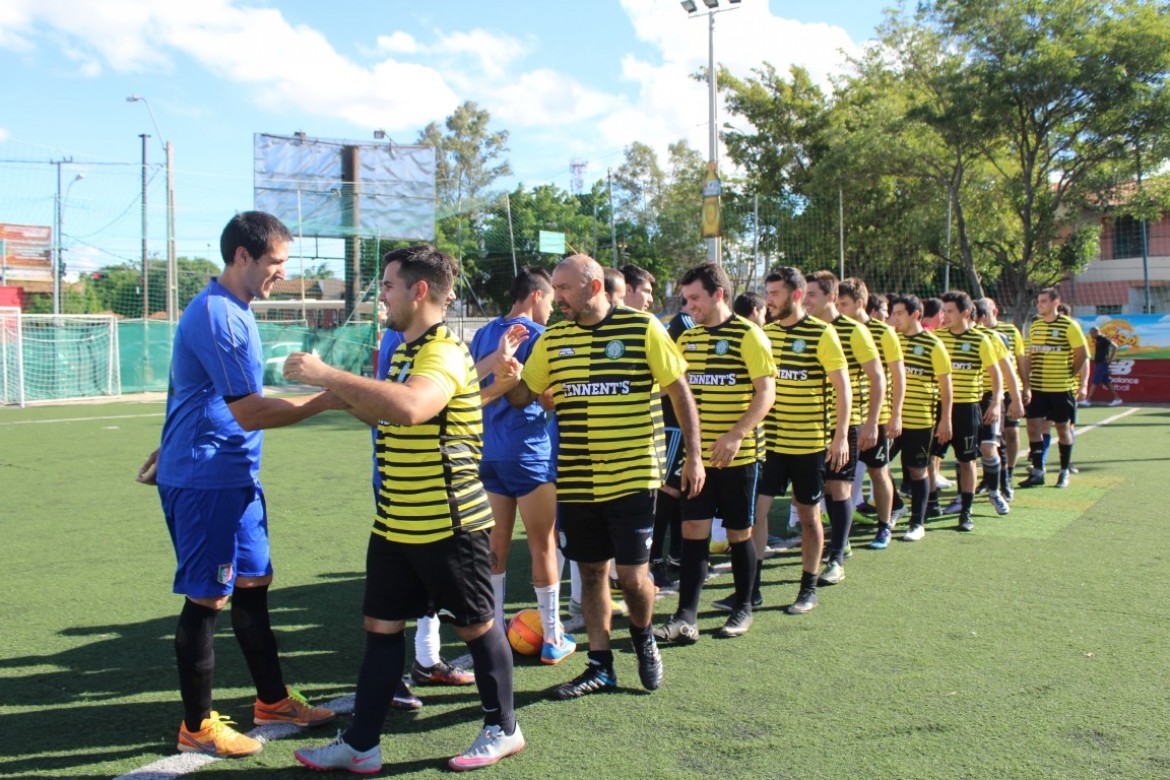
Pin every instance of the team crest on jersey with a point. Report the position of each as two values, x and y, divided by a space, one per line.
965 347
1054 334
567 352
615 349
223 574
799 346
919 349
721 347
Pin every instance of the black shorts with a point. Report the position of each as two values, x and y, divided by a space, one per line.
915 445
452 576
595 531
849 470
966 420
989 433
1060 407
729 494
878 455
1004 420
806 473
676 453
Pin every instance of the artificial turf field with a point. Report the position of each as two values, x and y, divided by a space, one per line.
1035 647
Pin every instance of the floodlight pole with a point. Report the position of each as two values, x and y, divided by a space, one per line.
172 286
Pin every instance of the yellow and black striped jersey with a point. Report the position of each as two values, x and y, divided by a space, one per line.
805 353
890 351
603 379
971 353
925 360
859 349
999 345
1050 347
430 472
1014 339
723 363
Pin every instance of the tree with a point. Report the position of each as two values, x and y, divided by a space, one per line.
320 271
469 158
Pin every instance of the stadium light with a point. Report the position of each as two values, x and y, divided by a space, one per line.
172 261
380 135
712 186
58 266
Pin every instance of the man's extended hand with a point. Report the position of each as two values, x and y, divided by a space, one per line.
149 470
307 369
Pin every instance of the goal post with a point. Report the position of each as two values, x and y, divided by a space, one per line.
57 357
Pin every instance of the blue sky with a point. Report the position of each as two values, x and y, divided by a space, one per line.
567 80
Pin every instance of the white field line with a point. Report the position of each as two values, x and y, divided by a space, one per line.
84 419
181 763
1106 421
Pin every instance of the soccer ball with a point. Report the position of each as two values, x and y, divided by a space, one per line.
526 632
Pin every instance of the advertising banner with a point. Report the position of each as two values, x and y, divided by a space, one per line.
1141 368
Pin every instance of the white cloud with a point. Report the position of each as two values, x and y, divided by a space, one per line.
3 134
671 104
397 42
15 25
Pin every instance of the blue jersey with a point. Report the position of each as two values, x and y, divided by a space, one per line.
391 340
510 433
217 355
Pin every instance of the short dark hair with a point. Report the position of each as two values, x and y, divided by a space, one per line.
746 303
423 262
874 304
611 276
1064 308
854 288
826 280
711 276
982 310
961 299
909 302
635 275
530 280
790 277
1052 293
255 231
931 307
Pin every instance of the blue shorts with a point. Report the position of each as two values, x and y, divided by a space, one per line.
515 478
218 535
1101 374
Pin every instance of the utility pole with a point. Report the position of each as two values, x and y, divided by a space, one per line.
145 258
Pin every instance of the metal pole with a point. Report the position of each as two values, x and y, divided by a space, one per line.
145 259
511 235
841 231
1145 242
756 238
947 261
612 223
3 262
713 248
57 246
172 260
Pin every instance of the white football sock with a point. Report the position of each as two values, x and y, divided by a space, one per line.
427 645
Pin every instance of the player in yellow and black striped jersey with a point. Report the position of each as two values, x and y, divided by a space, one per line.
732 376
1050 372
928 390
868 388
809 361
1011 425
991 444
972 357
430 543
601 363
853 302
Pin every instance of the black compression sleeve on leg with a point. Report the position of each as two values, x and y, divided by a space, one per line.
691 576
253 631
840 521
195 653
666 507
491 655
743 570
378 678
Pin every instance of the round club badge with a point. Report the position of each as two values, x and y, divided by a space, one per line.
966 347
615 349
721 347
919 349
799 346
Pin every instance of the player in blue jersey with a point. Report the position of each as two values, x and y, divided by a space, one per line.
517 469
207 469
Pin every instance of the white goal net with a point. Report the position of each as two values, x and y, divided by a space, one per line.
47 357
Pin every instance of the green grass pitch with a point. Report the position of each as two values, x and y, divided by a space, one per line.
1032 648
